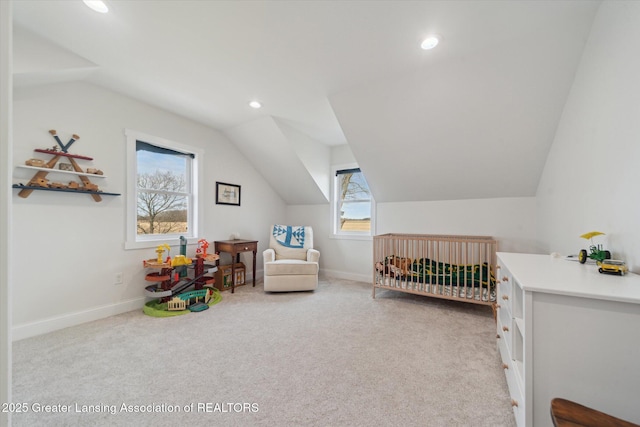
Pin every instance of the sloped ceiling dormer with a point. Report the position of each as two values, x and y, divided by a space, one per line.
467 123
36 60
294 165
478 126
473 118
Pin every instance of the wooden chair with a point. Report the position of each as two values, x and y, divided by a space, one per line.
566 413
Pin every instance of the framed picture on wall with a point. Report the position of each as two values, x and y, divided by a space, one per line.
227 194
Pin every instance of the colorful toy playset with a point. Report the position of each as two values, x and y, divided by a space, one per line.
180 285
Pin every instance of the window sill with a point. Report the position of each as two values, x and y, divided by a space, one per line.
171 241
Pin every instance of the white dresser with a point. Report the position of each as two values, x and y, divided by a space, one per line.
565 330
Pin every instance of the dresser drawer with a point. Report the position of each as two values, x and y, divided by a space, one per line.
504 342
505 321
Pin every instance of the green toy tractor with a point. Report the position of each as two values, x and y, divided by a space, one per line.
595 251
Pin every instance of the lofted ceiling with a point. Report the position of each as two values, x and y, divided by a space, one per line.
473 118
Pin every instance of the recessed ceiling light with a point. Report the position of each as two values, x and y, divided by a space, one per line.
430 42
255 104
97 5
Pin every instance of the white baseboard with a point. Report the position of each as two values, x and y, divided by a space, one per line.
51 324
346 276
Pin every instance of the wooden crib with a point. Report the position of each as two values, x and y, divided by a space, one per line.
452 267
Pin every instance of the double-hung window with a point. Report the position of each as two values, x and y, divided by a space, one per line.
353 207
162 202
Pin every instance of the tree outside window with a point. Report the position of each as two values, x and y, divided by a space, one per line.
354 202
163 190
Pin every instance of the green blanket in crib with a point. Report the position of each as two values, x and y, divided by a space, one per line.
424 270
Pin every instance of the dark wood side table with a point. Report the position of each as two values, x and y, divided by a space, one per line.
235 247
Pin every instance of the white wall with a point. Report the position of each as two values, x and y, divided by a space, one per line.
6 126
67 248
509 220
590 180
342 258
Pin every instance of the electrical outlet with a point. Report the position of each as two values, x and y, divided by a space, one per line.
118 279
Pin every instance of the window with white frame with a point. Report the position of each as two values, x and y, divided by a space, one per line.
353 211
162 202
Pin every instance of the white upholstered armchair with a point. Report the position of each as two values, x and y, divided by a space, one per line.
290 263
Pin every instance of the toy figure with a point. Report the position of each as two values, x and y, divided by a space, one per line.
595 251
160 250
202 248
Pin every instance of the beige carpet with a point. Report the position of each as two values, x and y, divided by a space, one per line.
333 357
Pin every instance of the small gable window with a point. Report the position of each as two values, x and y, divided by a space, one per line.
353 205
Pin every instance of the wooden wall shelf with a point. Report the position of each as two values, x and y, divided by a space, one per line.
35 168
64 190
40 182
